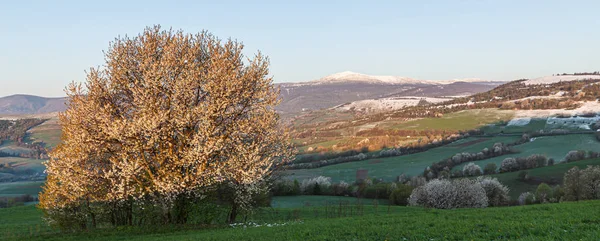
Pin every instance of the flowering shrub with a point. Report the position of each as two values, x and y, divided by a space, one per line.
526 198
514 164
509 165
574 156
446 194
472 169
496 193
310 186
582 184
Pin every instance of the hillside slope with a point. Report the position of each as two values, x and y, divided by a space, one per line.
29 104
346 87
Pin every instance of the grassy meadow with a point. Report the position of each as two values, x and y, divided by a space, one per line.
555 147
549 174
49 132
307 201
389 168
462 120
561 221
13 189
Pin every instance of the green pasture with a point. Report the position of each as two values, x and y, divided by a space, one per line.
389 168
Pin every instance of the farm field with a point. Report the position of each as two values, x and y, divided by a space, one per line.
562 221
462 120
389 168
555 147
543 174
535 124
12 189
11 148
49 132
23 164
306 201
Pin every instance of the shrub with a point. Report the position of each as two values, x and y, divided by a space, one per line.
471 169
377 191
592 154
582 184
526 198
497 194
558 193
508 165
286 188
490 168
446 194
417 181
571 185
590 183
316 184
543 193
341 189
537 161
574 156
457 173
400 195
523 176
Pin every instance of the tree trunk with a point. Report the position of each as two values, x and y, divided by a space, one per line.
92 215
232 214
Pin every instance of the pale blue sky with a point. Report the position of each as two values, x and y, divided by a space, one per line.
44 45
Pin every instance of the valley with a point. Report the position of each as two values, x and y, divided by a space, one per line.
384 141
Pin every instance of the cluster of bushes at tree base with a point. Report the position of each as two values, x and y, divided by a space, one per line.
211 207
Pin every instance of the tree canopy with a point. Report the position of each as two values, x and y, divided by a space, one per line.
169 115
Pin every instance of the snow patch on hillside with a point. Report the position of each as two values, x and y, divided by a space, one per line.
556 79
519 122
586 107
387 104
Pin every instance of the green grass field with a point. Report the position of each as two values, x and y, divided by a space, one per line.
555 147
533 125
549 173
305 201
12 189
389 168
49 132
21 164
562 221
462 120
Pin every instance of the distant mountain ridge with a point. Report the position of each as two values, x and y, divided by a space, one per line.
327 92
30 104
346 87
349 76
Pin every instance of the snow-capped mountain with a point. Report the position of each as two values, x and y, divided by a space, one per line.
346 87
348 76
358 77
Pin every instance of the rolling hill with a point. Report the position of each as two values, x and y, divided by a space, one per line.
29 104
345 87
327 92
